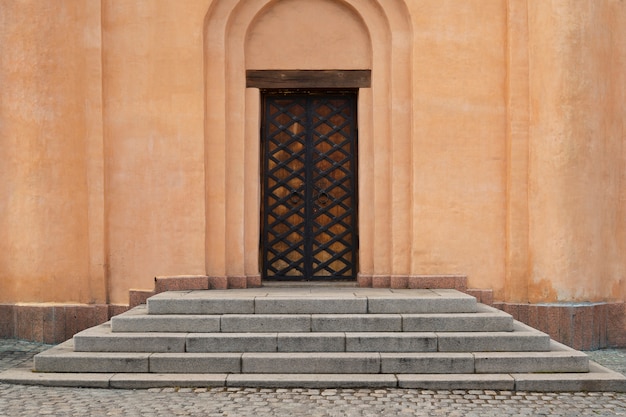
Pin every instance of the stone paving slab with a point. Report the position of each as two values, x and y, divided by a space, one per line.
255 323
142 381
311 363
311 381
332 304
406 302
311 342
200 302
427 363
24 374
599 378
391 342
63 358
232 342
560 358
485 319
101 339
450 382
138 320
522 339
195 363
356 322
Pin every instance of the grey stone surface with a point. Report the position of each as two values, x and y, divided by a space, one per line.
613 358
195 363
143 381
391 342
259 323
311 305
599 379
62 358
458 322
524 362
427 363
356 322
200 302
324 381
138 320
23 374
231 342
407 303
101 339
456 382
519 341
311 342
311 363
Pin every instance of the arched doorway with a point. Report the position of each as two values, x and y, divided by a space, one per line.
318 36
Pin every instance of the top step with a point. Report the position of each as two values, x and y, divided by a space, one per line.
324 300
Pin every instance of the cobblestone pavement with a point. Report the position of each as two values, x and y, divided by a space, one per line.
16 400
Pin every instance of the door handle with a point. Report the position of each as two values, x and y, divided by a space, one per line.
322 198
294 197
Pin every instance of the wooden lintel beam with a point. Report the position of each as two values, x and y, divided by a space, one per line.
308 78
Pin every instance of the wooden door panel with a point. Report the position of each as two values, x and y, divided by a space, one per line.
309 186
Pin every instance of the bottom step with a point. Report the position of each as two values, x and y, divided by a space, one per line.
598 379
559 359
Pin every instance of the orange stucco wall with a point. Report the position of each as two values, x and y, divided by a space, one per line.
154 141
51 233
577 57
459 143
491 140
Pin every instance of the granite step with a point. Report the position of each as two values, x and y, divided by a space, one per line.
311 301
102 339
484 319
63 358
598 379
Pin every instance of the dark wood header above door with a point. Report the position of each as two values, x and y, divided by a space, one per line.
308 78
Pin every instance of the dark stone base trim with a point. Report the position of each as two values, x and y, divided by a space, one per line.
582 326
48 323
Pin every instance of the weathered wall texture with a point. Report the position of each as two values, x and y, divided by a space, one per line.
492 140
50 151
459 144
153 90
577 112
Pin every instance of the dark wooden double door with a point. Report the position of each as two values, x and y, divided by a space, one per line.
309 185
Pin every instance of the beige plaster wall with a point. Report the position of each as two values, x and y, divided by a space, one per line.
459 145
50 150
577 58
154 141
296 34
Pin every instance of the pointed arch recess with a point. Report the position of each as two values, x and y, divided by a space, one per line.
232 140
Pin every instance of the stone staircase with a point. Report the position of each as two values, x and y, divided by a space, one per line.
317 337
